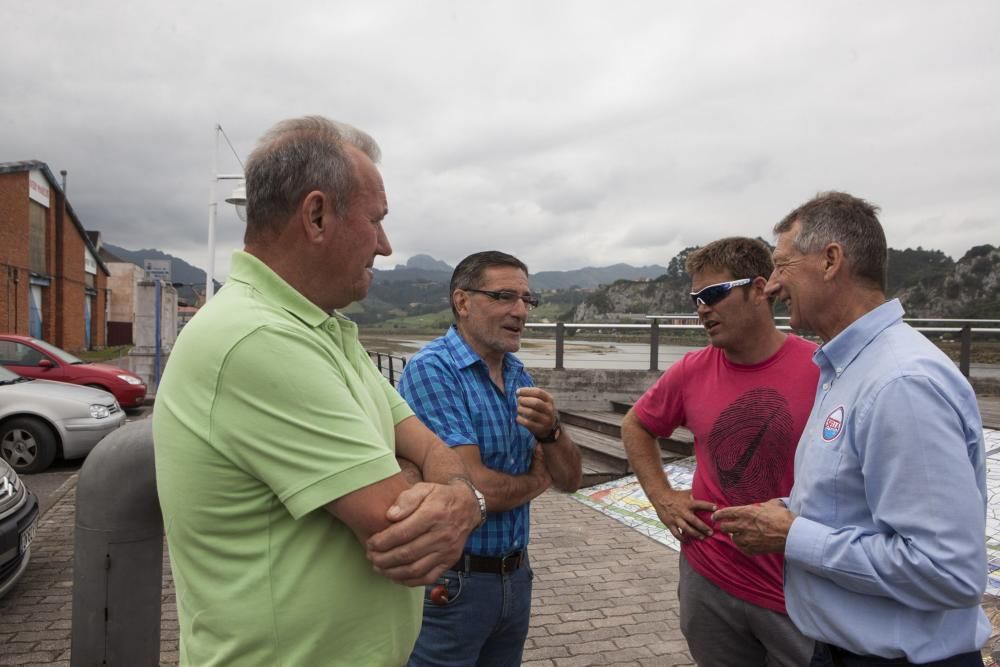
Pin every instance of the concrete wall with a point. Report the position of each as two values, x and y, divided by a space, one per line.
593 389
142 357
986 386
124 277
145 316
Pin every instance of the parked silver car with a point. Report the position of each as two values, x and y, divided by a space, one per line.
18 520
40 420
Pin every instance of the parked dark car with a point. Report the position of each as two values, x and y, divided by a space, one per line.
34 358
18 520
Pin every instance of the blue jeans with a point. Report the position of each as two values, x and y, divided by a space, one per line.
484 623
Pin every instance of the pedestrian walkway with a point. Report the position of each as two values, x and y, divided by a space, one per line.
604 594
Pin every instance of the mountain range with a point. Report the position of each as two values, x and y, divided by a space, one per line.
928 282
423 279
192 278
426 268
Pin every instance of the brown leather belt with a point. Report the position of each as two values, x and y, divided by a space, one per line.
491 564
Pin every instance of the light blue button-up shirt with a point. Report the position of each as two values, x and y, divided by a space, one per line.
887 555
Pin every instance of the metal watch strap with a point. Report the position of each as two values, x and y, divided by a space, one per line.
480 498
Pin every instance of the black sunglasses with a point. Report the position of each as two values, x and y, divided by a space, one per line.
508 298
713 294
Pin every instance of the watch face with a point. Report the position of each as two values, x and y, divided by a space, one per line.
552 435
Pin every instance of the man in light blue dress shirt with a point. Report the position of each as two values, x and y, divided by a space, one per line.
884 531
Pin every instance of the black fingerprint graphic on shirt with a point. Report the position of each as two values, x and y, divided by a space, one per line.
751 443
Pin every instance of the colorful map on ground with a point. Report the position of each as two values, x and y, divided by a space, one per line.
624 500
993 510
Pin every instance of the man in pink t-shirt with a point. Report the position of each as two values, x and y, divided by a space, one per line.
746 397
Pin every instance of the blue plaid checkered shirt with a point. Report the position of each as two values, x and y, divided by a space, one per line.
449 388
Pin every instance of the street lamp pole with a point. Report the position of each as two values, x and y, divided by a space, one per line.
212 208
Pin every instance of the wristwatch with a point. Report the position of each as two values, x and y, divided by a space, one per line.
480 498
552 435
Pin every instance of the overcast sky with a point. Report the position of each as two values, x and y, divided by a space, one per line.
568 133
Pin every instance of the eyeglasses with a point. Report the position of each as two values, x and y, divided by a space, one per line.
508 298
713 294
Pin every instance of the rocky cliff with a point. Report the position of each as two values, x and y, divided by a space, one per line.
928 283
970 289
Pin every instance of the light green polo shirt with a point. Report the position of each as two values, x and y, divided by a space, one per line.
269 409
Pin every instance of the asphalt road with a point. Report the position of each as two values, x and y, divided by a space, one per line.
45 484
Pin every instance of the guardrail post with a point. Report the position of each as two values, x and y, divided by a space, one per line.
654 345
560 339
966 353
392 371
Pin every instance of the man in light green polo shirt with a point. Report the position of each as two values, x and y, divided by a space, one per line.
294 538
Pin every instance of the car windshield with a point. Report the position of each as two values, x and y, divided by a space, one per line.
10 377
61 355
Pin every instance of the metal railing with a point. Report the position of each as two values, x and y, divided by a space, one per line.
655 324
640 351
389 365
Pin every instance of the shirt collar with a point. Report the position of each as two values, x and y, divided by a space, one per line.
465 356
249 270
848 344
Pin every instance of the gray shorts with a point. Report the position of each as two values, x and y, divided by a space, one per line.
723 631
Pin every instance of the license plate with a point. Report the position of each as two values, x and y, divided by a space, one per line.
27 536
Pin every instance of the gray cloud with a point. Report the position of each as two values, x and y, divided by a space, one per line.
568 134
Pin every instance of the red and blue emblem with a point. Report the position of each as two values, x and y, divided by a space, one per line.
833 425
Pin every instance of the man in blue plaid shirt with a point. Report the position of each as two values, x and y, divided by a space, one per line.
469 388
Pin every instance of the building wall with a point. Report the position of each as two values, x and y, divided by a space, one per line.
14 252
71 286
593 389
123 279
63 300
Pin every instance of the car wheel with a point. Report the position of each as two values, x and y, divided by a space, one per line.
27 444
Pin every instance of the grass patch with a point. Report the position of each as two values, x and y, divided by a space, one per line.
106 354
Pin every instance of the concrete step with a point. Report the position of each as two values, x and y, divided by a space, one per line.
621 407
989 408
680 442
607 423
603 456
601 452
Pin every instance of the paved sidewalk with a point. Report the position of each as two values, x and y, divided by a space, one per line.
604 594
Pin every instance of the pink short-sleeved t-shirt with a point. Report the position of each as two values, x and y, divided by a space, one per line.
746 422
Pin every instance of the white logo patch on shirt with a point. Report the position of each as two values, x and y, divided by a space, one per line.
833 426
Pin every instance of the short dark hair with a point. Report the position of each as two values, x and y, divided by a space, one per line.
742 257
292 159
837 217
469 272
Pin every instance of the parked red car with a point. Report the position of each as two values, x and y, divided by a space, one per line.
33 358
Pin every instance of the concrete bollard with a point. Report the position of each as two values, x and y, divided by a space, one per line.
118 554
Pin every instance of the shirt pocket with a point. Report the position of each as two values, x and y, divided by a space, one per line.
818 480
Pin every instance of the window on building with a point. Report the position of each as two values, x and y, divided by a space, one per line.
36 237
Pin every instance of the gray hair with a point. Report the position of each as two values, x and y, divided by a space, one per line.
469 272
295 157
837 217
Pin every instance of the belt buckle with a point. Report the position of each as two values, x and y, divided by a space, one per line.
511 562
